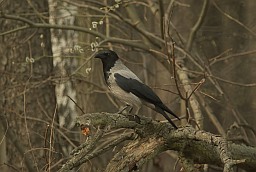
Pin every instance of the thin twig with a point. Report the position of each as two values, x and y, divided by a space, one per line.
175 72
233 19
171 55
197 25
76 104
161 17
220 59
51 138
197 87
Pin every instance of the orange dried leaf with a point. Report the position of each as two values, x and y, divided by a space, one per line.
85 131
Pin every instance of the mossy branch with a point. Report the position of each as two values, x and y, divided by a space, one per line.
147 138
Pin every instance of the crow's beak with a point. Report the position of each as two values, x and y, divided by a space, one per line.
99 54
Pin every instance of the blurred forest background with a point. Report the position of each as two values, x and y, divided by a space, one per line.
46 61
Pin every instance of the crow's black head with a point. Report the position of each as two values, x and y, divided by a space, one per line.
107 56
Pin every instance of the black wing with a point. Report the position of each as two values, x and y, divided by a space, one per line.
137 88
142 91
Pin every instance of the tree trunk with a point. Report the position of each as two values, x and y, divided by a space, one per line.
28 97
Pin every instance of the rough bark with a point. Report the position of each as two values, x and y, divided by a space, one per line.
149 138
27 92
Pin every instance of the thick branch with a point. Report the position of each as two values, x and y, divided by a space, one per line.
197 145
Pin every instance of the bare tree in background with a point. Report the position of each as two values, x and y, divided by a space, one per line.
28 103
198 55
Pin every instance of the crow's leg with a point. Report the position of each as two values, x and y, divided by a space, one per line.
124 108
130 110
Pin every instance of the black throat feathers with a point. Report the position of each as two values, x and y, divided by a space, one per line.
106 69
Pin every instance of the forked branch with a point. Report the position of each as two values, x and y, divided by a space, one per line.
147 138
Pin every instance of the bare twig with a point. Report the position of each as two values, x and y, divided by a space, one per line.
220 59
18 145
183 77
161 17
51 139
196 88
49 26
76 104
81 151
197 25
211 116
233 19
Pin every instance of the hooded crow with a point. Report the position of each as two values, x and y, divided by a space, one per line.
128 88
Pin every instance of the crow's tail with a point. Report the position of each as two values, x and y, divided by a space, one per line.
165 108
160 110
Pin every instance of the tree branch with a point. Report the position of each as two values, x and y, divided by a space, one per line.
17 144
154 137
197 25
45 25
